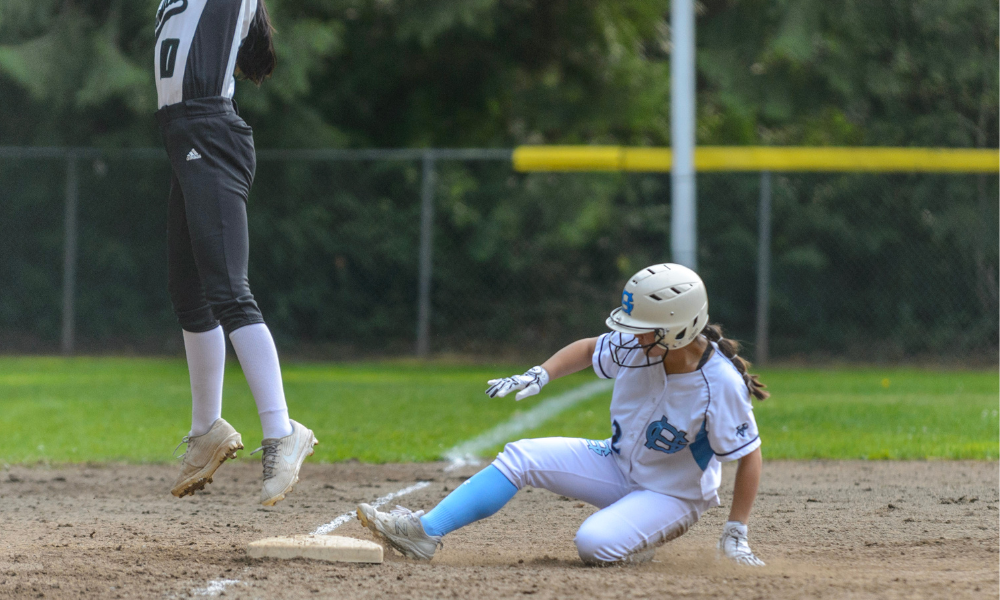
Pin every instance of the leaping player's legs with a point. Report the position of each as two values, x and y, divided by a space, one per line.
215 187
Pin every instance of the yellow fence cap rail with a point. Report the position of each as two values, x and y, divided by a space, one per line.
760 158
568 158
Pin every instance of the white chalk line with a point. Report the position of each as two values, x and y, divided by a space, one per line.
325 529
467 453
214 587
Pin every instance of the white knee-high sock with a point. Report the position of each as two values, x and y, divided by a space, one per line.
206 358
259 358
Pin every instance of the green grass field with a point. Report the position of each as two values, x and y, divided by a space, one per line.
101 409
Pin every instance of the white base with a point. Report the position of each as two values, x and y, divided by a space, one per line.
333 548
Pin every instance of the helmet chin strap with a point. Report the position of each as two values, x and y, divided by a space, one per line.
658 342
660 336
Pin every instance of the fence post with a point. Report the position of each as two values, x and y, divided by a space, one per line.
426 254
763 268
69 255
683 198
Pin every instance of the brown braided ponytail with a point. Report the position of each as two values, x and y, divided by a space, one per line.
731 349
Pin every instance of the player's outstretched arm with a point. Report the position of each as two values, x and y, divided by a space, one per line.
734 542
574 357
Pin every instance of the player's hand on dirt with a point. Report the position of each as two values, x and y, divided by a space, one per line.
735 546
529 384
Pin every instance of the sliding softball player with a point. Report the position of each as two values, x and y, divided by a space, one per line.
681 406
199 46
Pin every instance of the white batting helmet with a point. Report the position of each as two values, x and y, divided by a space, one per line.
668 299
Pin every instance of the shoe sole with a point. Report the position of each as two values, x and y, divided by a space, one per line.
364 520
281 496
371 525
199 480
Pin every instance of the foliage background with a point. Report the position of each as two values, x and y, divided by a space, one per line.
866 267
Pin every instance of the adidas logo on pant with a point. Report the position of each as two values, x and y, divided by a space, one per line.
193 155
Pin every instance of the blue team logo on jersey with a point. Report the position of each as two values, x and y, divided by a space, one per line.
627 304
742 430
655 439
601 448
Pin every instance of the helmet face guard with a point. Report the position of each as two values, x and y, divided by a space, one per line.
622 352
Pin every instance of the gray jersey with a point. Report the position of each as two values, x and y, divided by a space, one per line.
196 46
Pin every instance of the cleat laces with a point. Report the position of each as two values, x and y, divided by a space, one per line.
404 512
184 440
270 458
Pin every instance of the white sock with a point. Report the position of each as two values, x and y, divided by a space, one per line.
259 359
206 358
275 424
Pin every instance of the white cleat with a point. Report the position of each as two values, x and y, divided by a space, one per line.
402 529
205 453
282 460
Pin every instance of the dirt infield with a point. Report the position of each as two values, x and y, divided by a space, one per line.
826 530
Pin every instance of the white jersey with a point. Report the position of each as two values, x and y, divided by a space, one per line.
196 46
670 432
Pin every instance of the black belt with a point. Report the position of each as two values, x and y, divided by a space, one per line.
196 107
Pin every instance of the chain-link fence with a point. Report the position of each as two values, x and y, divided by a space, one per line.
367 253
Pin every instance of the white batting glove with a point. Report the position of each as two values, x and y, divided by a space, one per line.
532 382
735 546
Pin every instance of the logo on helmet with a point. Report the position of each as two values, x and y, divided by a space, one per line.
655 440
627 304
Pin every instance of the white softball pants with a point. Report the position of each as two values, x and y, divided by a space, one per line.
631 519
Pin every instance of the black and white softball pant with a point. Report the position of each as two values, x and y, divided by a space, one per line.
212 156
